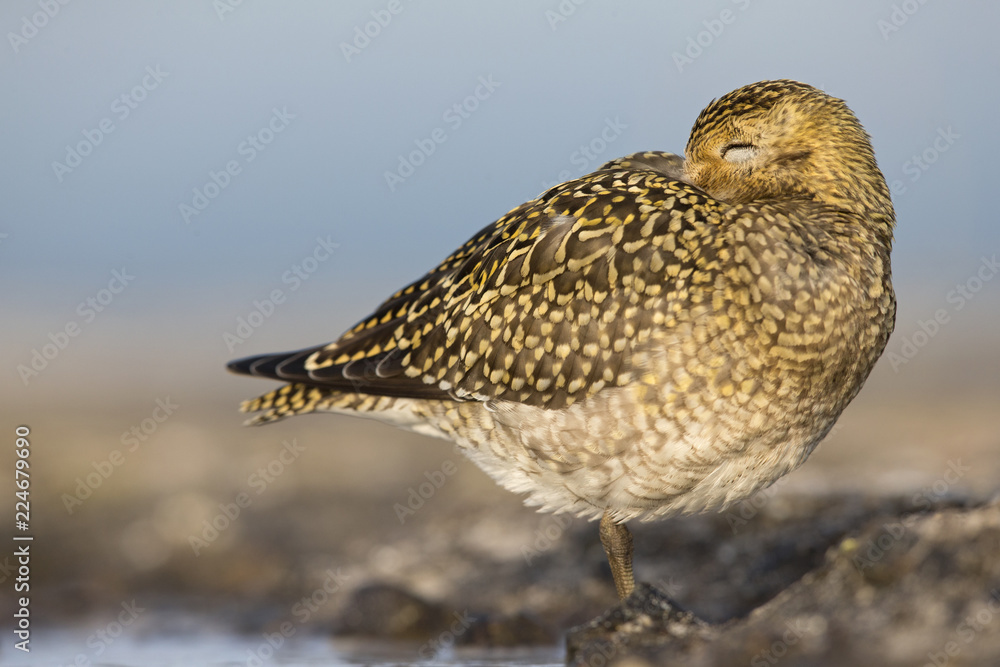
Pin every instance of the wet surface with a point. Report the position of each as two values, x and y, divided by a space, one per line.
67 647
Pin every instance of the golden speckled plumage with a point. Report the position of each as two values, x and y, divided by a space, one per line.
661 335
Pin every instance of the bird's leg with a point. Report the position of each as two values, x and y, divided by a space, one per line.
617 542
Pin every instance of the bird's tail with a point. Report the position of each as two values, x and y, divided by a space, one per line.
286 401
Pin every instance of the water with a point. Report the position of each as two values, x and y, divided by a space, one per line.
70 648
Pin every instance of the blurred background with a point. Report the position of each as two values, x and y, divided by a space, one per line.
190 182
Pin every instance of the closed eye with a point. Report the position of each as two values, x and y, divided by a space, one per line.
739 152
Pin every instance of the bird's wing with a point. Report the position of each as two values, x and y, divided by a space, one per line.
542 307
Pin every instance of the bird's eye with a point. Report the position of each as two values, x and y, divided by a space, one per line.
738 152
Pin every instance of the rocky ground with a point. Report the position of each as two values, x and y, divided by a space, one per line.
784 578
901 589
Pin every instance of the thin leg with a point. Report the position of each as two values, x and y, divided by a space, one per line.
617 542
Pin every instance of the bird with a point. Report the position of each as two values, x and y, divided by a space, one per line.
668 334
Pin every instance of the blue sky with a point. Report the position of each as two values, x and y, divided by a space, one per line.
278 123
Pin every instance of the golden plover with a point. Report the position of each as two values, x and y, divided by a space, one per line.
663 335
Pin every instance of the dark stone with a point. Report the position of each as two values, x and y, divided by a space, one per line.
905 589
516 630
645 624
385 611
389 612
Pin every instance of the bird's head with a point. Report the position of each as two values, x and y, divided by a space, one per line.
781 139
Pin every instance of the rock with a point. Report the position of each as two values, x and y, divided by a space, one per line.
646 624
907 589
494 630
385 611
389 612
